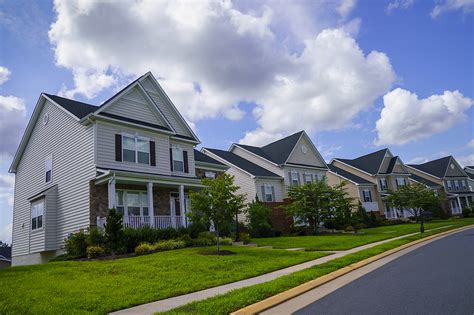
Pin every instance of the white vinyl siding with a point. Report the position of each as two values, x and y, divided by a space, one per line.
71 145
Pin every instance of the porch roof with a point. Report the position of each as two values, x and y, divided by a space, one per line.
143 177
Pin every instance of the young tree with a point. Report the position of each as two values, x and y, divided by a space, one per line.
339 212
310 203
114 231
217 203
415 198
259 221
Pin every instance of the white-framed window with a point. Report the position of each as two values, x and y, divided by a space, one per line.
456 184
383 184
294 178
132 202
37 211
367 195
209 174
308 178
178 158
464 184
448 183
400 181
136 149
48 169
268 193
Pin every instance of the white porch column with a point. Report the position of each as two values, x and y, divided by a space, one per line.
467 201
151 210
111 191
459 205
182 205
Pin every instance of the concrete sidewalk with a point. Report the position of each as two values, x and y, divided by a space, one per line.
177 301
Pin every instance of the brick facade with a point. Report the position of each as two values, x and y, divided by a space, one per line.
280 221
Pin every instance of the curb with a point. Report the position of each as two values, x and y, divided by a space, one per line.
307 286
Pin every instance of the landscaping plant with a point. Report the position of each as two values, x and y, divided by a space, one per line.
114 232
259 222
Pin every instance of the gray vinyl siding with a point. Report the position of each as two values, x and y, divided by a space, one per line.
456 171
71 147
310 158
277 186
51 219
105 151
134 105
257 160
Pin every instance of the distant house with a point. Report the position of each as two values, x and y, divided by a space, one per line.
5 257
451 177
135 153
470 173
369 179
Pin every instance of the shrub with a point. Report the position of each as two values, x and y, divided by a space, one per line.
226 241
349 228
259 224
114 232
76 245
168 245
146 234
94 251
188 241
144 248
95 237
205 239
245 237
466 212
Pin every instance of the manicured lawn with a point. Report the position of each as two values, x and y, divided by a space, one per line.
347 241
103 286
237 299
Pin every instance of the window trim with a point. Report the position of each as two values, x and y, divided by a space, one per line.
265 187
35 202
369 195
173 148
136 137
49 158
383 187
292 178
311 177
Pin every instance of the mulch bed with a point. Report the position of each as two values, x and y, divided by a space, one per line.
217 253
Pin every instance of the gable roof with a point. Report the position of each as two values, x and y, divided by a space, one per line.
437 168
78 109
242 163
353 178
423 180
201 157
369 163
6 252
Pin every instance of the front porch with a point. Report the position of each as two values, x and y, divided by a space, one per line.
143 201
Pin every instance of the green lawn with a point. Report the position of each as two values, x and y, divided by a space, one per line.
103 286
347 241
239 298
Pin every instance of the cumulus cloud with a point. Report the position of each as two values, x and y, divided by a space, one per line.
399 4
4 75
7 183
6 234
466 160
406 118
470 144
259 137
443 6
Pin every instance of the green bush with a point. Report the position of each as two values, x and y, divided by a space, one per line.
168 245
95 237
134 237
466 212
94 251
226 241
76 244
188 241
349 228
144 248
245 237
205 239
114 232
260 224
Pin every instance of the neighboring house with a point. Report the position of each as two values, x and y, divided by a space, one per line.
266 172
135 153
448 174
470 173
370 178
5 257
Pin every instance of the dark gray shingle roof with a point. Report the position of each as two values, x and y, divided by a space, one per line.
201 157
78 109
436 167
423 180
369 163
243 164
349 176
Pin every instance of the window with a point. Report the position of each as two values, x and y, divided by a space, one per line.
294 178
448 183
135 149
268 194
119 204
367 195
48 167
37 210
178 159
132 203
210 175
464 185
456 184
383 184
400 181
308 178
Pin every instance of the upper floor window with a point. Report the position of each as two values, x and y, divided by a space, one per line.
308 178
37 210
268 193
367 195
136 149
448 183
178 159
383 184
48 168
464 185
400 181
456 184
294 178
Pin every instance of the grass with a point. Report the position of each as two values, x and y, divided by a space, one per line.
99 287
237 299
347 241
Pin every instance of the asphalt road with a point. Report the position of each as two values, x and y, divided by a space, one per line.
437 278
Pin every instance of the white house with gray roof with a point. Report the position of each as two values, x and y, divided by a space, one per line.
135 153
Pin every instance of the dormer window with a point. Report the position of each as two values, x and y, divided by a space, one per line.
135 149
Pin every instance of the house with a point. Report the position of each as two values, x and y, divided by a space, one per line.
451 177
369 178
135 153
5 256
470 173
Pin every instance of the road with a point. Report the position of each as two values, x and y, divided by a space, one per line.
436 278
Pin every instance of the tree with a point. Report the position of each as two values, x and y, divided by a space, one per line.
114 231
339 212
217 203
415 198
2 244
259 222
310 203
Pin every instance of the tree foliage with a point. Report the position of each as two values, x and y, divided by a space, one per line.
217 203
259 221
114 232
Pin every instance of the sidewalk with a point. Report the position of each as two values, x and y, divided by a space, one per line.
177 301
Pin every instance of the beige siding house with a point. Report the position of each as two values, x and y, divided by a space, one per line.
134 153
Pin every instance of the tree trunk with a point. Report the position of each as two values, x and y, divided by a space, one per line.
217 238
422 223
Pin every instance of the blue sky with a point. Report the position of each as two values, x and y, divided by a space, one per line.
264 70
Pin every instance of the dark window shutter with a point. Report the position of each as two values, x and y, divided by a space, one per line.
273 194
264 198
185 160
171 159
118 148
152 153
370 195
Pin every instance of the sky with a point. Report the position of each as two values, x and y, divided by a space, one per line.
358 76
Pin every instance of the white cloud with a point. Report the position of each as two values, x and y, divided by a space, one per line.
329 151
399 4
6 234
259 137
443 6
406 118
4 75
7 184
466 160
470 144
346 7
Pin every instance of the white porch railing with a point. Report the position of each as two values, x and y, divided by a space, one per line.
157 222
